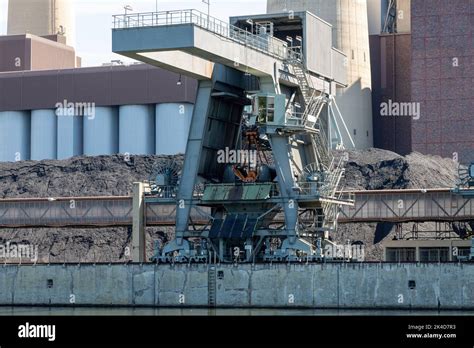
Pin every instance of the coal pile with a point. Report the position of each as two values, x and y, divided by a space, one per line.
376 169
76 177
371 169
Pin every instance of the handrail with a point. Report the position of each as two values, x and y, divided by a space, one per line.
267 44
321 189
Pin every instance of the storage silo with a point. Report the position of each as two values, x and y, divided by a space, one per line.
14 136
172 127
351 36
137 130
44 135
41 17
70 136
101 132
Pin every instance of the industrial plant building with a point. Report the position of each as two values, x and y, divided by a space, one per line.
351 36
57 114
42 18
422 52
397 51
52 109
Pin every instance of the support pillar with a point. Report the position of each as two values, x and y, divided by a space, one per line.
138 231
193 156
286 182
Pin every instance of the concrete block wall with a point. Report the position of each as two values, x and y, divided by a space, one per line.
344 286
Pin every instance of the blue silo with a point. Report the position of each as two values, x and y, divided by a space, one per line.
43 134
70 136
172 127
15 129
137 130
101 132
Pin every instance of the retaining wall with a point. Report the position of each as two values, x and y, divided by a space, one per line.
396 286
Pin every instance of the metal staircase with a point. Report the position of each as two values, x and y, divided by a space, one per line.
332 167
300 72
212 286
320 145
314 100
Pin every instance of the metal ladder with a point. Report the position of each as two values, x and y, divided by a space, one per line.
211 283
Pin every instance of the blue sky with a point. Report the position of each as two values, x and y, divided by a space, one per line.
94 19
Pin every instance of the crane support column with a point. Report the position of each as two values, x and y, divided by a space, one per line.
138 230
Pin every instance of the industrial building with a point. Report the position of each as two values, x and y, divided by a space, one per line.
405 51
63 137
42 18
209 85
103 111
422 52
50 108
350 35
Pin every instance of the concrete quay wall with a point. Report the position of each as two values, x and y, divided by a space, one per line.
344 286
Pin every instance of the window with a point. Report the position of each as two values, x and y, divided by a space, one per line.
271 109
400 254
463 254
262 109
434 254
355 131
353 55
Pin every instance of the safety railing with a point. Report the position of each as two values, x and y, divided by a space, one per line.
264 43
160 191
317 189
200 188
309 118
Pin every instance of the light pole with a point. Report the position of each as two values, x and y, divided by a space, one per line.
208 3
125 20
127 8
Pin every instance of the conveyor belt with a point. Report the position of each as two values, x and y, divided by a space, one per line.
371 206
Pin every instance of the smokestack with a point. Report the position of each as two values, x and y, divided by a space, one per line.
41 17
